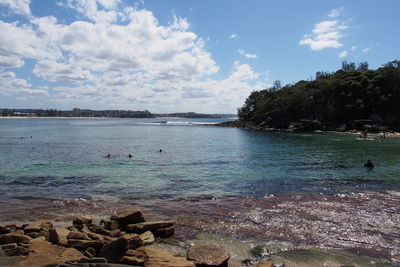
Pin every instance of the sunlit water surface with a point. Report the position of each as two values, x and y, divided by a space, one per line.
65 158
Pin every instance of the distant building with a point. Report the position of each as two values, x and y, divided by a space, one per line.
76 112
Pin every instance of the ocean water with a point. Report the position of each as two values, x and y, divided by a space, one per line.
66 158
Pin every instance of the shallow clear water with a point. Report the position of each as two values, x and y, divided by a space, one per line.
66 158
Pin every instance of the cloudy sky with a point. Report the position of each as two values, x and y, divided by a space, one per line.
180 55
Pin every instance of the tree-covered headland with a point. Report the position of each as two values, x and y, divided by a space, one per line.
353 97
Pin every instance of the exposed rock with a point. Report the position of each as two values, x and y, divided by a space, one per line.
45 233
115 250
4 230
147 238
264 263
111 225
70 254
58 235
82 219
8 246
14 238
146 226
341 128
17 251
90 252
117 233
164 232
93 260
134 257
159 258
77 235
208 255
37 226
19 232
84 244
33 234
43 253
128 216
99 230
134 240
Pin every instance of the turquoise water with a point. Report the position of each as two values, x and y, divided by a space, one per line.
66 158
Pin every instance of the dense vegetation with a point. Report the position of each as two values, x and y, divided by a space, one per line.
332 99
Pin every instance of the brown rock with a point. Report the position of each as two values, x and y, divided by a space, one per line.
164 232
33 234
146 226
77 235
82 219
128 216
115 250
208 255
264 263
43 253
147 238
19 232
4 230
84 244
111 225
134 240
14 238
159 258
93 260
58 235
17 251
117 233
90 252
99 230
70 254
134 257
45 233
37 226
8 246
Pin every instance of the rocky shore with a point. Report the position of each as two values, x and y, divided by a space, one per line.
126 239
355 127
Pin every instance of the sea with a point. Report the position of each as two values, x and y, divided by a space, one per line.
66 158
217 183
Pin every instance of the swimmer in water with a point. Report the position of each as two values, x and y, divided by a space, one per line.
108 155
130 156
160 150
369 165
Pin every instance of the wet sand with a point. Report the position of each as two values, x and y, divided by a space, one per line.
364 224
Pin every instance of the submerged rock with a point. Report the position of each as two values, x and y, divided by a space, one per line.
208 255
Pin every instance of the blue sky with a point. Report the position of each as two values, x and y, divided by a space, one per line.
180 55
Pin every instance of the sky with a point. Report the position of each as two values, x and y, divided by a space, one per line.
202 56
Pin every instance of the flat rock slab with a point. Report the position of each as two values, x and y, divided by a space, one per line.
208 255
14 238
37 226
148 226
128 216
159 258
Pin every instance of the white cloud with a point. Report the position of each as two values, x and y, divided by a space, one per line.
18 6
139 63
365 50
250 55
354 47
335 12
247 55
233 35
326 34
342 54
